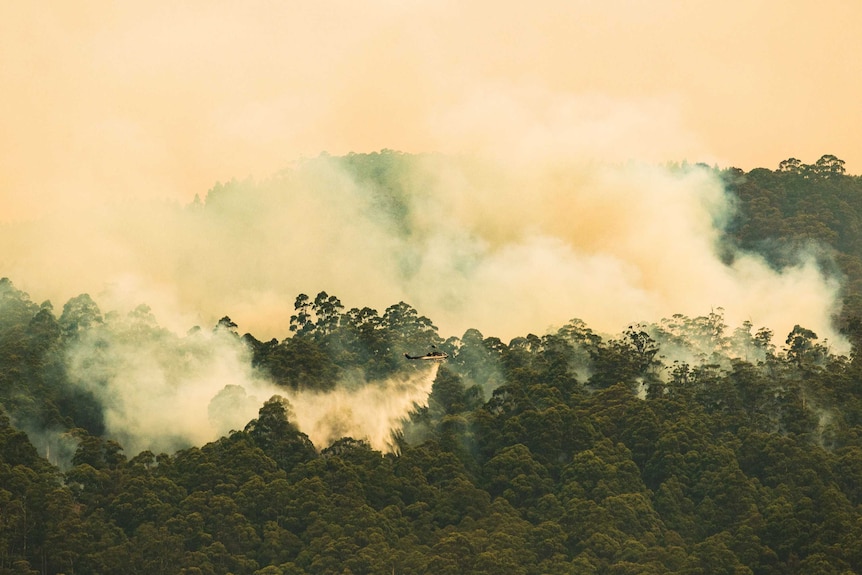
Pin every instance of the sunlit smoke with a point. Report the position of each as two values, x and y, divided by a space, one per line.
470 243
369 411
163 392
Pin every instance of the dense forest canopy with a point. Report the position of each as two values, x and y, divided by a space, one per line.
685 445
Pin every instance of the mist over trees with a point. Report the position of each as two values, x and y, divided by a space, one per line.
799 206
686 445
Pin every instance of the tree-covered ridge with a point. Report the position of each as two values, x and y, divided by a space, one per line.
327 340
681 446
684 446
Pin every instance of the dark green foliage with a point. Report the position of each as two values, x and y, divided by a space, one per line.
327 343
277 437
814 206
685 446
34 387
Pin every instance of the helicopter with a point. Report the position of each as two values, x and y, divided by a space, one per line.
431 355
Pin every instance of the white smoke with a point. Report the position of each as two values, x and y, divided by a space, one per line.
506 249
163 392
156 387
369 411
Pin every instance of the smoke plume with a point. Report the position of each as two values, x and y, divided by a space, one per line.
469 243
369 411
535 215
164 392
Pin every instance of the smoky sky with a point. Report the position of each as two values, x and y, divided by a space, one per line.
110 100
118 114
508 248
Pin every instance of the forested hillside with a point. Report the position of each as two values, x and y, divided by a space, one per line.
800 206
681 446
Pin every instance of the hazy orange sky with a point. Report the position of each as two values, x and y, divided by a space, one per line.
162 99
116 113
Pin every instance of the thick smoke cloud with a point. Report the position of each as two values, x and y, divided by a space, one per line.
135 103
480 244
508 249
164 392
